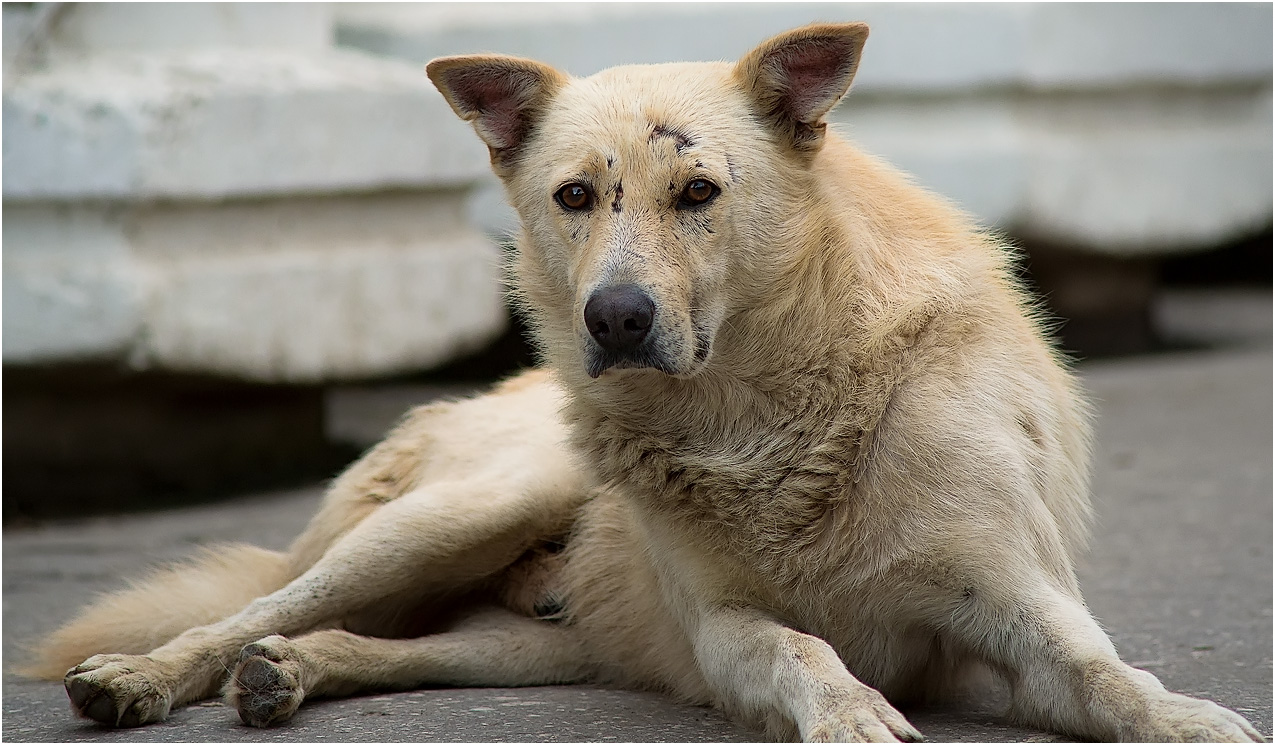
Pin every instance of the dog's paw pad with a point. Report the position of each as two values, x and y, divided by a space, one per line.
550 607
90 701
118 690
274 648
265 688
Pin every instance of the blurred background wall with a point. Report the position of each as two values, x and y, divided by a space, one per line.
227 225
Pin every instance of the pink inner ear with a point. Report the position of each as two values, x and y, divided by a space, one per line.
814 76
498 96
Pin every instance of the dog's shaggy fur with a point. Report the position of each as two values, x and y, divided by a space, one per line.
800 450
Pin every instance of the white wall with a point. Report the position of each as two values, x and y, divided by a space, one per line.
168 167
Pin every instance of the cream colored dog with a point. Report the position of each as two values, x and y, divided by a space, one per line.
801 450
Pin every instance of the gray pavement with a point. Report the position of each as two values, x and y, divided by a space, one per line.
1179 573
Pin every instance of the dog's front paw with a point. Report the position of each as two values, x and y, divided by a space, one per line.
266 686
862 716
1178 718
119 690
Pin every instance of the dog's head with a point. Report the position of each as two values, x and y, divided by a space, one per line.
653 198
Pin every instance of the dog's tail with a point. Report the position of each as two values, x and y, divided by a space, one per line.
213 585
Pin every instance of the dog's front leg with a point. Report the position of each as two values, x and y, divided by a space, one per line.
1066 676
762 669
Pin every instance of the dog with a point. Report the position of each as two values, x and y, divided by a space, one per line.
800 450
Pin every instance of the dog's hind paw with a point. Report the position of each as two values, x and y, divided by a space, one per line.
266 686
119 690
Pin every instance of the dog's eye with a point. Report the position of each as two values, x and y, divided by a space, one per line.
696 193
574 197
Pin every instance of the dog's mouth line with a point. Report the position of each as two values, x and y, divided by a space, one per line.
602 364
643 360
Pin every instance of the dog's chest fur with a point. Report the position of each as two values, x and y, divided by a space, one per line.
772 478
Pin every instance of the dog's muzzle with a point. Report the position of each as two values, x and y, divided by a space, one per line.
619 319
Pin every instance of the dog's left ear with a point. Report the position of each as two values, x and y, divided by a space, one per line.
796 78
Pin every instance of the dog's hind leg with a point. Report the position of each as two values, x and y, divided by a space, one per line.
439 538
492 648
1067 677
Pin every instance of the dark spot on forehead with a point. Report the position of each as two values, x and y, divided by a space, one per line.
619 194
610 161
681 138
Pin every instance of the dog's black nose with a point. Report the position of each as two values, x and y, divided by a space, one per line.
619 317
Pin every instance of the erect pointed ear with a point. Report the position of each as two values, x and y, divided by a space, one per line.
502 96
796 78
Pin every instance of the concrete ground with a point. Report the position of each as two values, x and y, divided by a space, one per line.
1179 573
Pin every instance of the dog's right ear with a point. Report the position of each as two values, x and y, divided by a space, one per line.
796 78
502 96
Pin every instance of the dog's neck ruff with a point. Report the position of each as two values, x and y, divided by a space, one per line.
766 459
